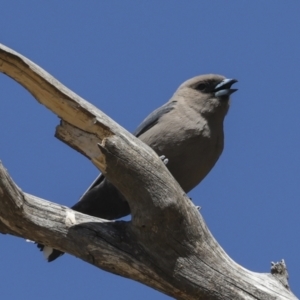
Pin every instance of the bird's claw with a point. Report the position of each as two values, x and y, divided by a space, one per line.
164 159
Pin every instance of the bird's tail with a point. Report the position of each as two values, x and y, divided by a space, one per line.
50 254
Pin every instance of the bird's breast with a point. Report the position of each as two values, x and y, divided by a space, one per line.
192 151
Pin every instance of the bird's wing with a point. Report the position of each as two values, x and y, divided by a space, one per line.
98 180
153 118
148 123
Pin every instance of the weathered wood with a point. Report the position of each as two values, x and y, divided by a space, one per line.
166 245
106 244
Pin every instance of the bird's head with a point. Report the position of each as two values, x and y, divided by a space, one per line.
208 94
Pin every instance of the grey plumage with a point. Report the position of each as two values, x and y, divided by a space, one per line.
188 130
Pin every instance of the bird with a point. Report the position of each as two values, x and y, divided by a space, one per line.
187 130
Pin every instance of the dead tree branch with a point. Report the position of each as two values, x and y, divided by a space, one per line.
166 245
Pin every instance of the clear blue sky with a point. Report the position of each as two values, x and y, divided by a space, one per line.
127 58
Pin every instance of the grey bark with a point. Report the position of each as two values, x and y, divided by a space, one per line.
166 246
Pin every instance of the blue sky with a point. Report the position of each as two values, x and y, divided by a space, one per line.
127 58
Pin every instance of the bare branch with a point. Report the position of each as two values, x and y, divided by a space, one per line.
106 244
166 246
89 125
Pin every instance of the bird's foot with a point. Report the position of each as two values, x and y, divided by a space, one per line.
164 159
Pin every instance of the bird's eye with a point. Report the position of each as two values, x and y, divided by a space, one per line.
201 87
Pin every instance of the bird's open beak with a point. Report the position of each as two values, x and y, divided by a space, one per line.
224 88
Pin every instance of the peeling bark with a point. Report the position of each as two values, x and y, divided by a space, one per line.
166 246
